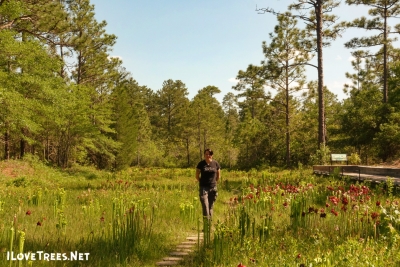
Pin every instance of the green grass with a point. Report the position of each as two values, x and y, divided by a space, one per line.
135 217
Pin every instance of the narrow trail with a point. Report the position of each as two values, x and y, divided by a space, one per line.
181 251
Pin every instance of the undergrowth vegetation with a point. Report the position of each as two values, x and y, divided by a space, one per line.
136 217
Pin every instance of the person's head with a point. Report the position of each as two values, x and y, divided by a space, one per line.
208 153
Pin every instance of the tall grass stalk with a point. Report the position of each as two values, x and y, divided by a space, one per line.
132 218
11 241
21 242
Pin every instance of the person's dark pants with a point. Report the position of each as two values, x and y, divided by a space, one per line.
208 195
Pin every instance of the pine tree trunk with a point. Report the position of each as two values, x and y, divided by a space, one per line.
187 151
385 67
321 97
6 145
287 117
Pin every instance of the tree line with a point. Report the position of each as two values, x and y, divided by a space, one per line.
66 100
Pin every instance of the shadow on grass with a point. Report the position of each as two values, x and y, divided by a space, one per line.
128 250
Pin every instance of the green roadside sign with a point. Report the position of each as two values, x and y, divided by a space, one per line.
339 157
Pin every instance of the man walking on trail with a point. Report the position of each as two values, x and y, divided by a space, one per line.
208 172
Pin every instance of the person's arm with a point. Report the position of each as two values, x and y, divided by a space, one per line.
198 175
218 174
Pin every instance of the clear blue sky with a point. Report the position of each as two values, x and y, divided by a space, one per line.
205 42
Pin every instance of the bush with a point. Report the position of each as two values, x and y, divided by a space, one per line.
354 159
321 156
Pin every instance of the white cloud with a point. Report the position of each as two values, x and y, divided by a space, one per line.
353 59
233 80
119 57
338 57
336 87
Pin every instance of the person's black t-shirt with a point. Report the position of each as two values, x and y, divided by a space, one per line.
208 173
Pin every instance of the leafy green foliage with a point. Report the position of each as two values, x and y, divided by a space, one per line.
381 11
65 100
208 121
321 156
354 159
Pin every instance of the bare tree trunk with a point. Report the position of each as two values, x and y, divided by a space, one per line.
199 132
321 97
138 139
287 136
205 139
47 149
385 67
137 157
229 158
6 145
187 151
287 117
62 151
22 145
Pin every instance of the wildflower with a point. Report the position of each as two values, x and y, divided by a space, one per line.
285 204
345 201
298 256
322 215
333 211
102 219
378 203
327 205
374 215
38 223
252 260
334 200
241 265
28 212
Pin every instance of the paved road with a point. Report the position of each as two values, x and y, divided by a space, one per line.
362 177
374 178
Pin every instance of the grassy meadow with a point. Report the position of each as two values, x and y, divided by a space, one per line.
137 216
